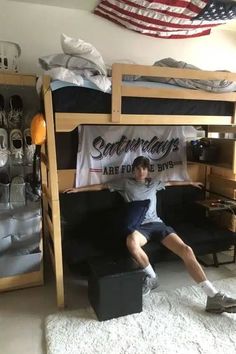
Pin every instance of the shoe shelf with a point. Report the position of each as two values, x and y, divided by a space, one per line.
21 240
17 79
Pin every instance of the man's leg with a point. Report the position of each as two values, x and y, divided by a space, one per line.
134 243
217 302
174 243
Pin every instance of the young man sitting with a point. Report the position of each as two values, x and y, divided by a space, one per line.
141 187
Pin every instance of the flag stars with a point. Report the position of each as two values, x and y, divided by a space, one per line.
205 15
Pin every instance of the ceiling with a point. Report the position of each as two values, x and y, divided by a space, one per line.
87 5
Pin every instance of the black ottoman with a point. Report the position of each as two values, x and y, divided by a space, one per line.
115 287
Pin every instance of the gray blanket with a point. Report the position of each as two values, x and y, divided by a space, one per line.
206 85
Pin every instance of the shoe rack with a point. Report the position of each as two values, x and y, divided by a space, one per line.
20 269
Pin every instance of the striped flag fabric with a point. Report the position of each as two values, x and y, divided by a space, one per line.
168 18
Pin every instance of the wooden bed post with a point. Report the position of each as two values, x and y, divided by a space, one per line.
51 206
116 93
234 115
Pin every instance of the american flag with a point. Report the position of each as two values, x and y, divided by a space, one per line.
168 18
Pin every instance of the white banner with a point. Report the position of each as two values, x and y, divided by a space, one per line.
107 152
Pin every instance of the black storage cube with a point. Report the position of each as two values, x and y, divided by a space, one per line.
115 287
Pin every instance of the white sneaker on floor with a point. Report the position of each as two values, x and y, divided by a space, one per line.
29 148
149 284
16 146
4 152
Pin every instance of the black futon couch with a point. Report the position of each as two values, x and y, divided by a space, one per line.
91 226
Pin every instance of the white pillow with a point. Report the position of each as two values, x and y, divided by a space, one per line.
77 47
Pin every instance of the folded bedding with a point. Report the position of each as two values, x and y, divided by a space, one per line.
206 85
82 61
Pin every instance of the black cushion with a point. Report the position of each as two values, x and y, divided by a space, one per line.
109 228
126 218
99 231
97 223
80 209
177 203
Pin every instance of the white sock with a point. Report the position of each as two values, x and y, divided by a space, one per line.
150 271
208 288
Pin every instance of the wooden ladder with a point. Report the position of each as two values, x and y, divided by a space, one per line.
51 205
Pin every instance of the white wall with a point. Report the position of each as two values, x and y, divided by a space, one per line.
37 29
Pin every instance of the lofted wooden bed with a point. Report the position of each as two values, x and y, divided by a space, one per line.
54 180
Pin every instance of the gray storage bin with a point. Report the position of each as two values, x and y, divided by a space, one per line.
25 243
5 243
11 265
27 212
7 225
4 196
25 240
27 226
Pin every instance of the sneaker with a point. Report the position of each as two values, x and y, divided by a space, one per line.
16 146
3 118
220 303
4 190
4 152
149 284
15 113
29 148
17 191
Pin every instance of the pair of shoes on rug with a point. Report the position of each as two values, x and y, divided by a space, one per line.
221 303
149 284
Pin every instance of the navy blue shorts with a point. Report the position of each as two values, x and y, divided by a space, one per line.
155 231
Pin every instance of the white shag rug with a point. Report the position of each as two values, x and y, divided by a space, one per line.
171 322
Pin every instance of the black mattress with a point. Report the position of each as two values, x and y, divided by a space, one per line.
76 99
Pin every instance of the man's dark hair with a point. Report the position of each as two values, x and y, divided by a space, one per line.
141 161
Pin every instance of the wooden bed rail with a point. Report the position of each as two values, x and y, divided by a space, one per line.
183 73
119 90
65 122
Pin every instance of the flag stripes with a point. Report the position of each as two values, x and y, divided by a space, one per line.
163 18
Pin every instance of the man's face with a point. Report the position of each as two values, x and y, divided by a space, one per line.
140 173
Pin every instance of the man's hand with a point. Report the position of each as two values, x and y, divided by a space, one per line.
197 184
71 190
91 187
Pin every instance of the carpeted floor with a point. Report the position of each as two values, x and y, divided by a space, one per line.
171 322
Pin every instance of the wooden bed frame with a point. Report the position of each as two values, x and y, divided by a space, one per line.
54 180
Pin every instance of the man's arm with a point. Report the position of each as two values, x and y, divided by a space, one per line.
184 183
89 188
